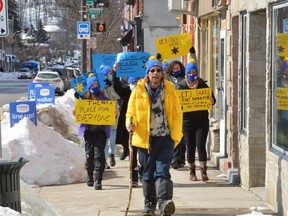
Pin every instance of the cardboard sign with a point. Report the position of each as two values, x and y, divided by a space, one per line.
103 59
174 45
282 45
195 99
132 64
95 112
282 98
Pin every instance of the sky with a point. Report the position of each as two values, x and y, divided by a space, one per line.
53 157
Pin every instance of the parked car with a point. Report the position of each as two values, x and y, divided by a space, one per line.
63 74
53 78
25 73
73 72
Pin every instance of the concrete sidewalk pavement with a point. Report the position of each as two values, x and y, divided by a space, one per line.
216 197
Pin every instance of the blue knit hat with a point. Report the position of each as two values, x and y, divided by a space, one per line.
133 79
105 69
165 64
91 79
190 66
152 63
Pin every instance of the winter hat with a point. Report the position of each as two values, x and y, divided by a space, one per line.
133 79
165 63
152 63
152 57
105 69
91 79
190 66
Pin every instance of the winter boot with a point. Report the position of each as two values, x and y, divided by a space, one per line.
125 153
98 180
203 170
164 191
90 180
192 168
150 202
112 161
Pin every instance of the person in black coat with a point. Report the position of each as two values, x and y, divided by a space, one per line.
196 124
122 135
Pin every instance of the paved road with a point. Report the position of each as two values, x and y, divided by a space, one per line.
12 90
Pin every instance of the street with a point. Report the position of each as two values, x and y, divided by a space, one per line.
12 90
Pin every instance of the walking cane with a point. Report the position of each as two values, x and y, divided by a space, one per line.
130 167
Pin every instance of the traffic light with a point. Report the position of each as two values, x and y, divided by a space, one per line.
100 27
101 3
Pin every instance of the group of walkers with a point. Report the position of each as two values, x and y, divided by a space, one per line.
150 109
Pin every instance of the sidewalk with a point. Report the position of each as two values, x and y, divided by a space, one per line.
214 198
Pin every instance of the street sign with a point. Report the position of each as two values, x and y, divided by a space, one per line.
91 43
4 29
83 30
95 11
89 2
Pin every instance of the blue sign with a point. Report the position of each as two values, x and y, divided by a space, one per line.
132 64
285 26
83 30
103 59
45 95
31 89
22 109
79 83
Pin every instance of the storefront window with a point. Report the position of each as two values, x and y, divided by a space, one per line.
280 76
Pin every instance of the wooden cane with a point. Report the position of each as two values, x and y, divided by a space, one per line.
130 167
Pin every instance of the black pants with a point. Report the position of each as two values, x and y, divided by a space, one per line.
95 142
196 137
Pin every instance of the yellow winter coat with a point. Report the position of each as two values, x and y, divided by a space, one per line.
139 108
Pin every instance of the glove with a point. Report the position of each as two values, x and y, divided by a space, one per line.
158 56
192 50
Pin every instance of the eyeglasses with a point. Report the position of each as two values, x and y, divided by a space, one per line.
157 70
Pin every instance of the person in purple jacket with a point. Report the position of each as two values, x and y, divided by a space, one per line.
95 137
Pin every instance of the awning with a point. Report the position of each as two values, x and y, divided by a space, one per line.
126 39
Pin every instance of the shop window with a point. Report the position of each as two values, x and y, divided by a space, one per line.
279 73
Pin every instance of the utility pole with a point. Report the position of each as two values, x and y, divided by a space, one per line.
83 41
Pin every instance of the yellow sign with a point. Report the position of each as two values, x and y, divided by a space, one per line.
173 45
282 44
282 98
95 112
195 99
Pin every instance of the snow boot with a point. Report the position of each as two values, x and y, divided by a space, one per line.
192 168
203 170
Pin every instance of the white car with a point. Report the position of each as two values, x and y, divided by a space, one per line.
53 78
25 73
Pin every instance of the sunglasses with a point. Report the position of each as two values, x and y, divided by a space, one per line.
157 70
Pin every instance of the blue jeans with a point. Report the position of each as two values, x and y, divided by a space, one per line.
157 163
110 147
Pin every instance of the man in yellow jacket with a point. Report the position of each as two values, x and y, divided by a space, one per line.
157 129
